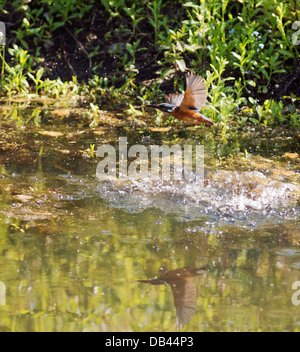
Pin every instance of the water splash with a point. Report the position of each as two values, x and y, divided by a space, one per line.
228 196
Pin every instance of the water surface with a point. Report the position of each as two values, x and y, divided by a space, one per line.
72 248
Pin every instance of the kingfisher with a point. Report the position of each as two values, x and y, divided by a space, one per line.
186 107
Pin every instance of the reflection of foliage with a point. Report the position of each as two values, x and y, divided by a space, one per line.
84 278
70 262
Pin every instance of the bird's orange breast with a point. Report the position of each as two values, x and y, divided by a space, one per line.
189 116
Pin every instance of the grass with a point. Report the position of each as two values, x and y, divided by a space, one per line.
244 50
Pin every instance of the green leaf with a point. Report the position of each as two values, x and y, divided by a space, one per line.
255 121
57 25
265 73
181 65
251 83
237 56
179 46
252 101
39 74
130 49
286 53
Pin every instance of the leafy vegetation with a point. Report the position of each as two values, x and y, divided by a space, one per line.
111 48
74 74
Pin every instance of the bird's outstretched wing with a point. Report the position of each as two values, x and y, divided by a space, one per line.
175 99
185 297
195 94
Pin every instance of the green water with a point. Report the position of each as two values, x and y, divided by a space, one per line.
72 248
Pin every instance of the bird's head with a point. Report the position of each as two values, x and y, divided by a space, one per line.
165 107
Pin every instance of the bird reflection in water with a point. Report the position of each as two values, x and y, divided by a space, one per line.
183 289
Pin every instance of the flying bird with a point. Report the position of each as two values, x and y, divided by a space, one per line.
186 107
